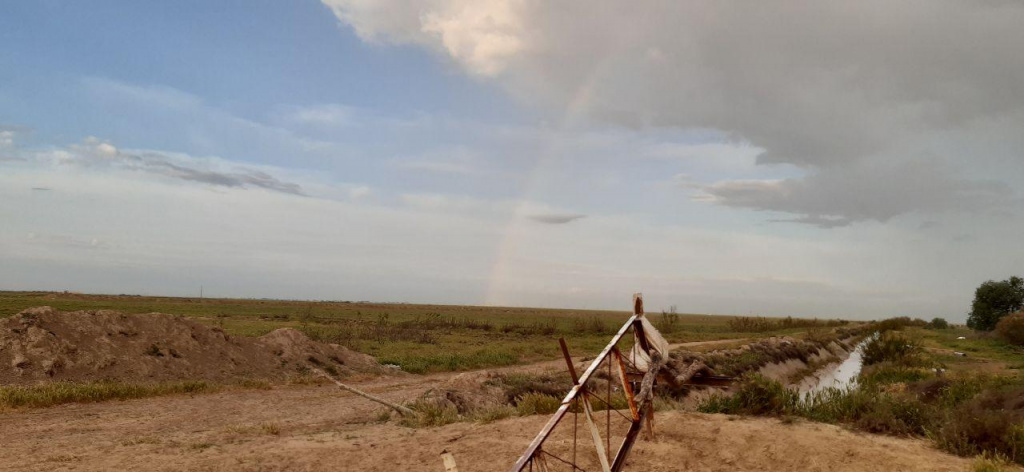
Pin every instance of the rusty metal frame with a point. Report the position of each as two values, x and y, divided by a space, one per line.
537 456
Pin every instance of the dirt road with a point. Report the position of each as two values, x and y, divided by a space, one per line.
323 428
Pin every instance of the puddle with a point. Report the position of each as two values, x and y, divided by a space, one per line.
842 375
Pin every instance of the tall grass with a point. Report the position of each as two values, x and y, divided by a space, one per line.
748 324
892 347
966 416
452 362
757 396
56 393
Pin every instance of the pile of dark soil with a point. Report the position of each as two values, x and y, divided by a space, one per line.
44 344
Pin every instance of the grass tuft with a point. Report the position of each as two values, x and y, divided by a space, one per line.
56 393
537 404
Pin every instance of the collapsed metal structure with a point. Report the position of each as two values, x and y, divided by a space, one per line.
635 355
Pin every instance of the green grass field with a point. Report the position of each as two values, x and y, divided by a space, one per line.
986 352
419 338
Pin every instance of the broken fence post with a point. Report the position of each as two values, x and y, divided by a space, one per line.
399 408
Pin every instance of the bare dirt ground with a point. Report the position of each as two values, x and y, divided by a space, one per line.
707 344
320 428
323 428
41 344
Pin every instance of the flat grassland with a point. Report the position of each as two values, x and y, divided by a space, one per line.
985 352
418 338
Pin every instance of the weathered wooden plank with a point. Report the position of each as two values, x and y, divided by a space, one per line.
602 453
449 462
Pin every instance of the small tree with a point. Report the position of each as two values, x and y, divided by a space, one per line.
1011 328
938 323
994 300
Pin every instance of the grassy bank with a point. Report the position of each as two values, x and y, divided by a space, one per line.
911 386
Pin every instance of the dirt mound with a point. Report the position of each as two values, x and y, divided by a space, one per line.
468 392
44 344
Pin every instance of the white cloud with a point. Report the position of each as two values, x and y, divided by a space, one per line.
323 115
108 229
482 35
457 160
360 191
6 138
799 81
202 128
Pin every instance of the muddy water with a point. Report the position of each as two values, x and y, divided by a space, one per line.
842 375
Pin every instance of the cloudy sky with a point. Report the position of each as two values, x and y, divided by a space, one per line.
806 158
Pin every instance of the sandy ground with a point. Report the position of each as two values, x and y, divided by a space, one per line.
321 428
700 345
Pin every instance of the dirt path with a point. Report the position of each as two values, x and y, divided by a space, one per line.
715 343
323 428
320 428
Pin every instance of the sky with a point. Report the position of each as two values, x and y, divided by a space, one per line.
804 158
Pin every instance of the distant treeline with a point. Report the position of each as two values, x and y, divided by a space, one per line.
423 329
757 324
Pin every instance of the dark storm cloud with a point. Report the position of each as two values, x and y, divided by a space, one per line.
556 219
838 196
853 93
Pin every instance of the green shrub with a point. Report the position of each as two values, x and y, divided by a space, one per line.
938 323
1011 328
516 385
836 405
496 413
737 365
431 413
891 347
990 463
896 414
898 323
757 395
992 421
888 372
669 321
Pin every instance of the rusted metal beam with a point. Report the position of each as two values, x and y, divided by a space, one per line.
627 387
535 445
568 361
640 404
